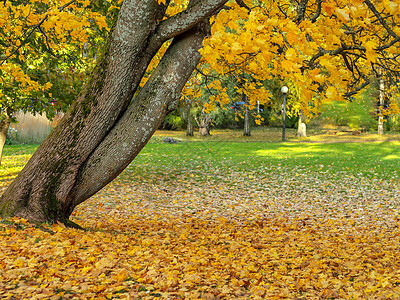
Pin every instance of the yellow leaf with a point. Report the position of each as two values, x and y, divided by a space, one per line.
343 14
331 92
236 47
291 54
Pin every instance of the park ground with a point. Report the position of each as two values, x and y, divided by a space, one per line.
222 217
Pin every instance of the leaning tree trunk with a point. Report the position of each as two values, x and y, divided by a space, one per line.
381 103
4 125
246 131
105 129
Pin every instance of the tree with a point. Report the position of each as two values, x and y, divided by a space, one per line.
104 129
112 119
189 120
246 129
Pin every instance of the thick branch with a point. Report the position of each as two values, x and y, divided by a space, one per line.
318 12
301 11
187 19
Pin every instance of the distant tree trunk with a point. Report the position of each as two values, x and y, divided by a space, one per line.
4 125
85 50
381 103
246 131
302 128
189 129
204 123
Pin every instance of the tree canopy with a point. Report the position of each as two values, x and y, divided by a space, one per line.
328 50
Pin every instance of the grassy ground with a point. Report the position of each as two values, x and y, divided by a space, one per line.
215 219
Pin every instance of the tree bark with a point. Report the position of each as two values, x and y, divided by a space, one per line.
246 131
381 103
104 129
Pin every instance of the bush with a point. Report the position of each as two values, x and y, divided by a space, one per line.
12 136
173 121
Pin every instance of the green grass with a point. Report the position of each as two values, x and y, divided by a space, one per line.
357 114
378 159
13 160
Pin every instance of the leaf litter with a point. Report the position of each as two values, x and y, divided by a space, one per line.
199 227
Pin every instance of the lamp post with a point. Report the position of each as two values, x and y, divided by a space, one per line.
284 91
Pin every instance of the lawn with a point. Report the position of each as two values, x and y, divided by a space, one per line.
214 219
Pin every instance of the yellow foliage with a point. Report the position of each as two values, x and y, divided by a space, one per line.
60 20
266 43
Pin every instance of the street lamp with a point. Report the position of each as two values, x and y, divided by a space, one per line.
284 91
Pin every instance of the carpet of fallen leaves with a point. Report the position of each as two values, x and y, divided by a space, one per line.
206 229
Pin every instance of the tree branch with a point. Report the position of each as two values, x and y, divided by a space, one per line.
381 19
47 42
61 8
187 19
242 4
301 11
317 13
383 47
25 40
357 89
